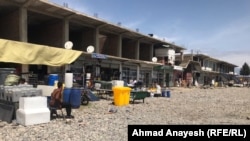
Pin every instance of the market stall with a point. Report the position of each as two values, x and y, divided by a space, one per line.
31 54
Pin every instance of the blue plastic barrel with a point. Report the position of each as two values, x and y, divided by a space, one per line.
66 95
75 97
52 79
168 93
165 93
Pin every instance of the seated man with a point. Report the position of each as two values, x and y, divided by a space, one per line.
56 100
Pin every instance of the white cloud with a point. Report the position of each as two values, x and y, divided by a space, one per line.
167 39
232 34
236 58
231 43
133 25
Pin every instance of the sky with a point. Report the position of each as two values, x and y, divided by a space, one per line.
217 28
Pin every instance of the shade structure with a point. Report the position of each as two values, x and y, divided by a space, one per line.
27 53
163 67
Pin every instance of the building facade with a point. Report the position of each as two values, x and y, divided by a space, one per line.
205 70
119 53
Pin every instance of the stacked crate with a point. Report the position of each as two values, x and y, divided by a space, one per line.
13 93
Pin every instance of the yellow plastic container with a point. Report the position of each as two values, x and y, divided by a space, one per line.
121 95
126 95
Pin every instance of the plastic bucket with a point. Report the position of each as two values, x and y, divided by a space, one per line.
52 79
75 97
66 95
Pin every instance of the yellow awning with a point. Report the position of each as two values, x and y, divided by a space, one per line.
27 53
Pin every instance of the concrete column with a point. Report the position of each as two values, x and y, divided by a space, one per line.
23 31
137 55
120 55
65 38
120 70
66 31
119 49
151 51
182 55
138 72
164 78
152 74
96 38
23 25
137 51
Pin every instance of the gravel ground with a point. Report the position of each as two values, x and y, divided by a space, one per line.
94 123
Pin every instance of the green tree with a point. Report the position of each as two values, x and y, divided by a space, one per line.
245 70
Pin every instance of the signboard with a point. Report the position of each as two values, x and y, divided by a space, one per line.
99 56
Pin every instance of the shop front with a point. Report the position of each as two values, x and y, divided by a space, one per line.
178 75
163 74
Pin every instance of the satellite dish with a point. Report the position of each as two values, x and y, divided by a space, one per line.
68 45
154 59
90 49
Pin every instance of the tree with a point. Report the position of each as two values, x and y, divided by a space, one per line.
245 70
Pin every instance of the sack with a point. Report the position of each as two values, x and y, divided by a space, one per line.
11 80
